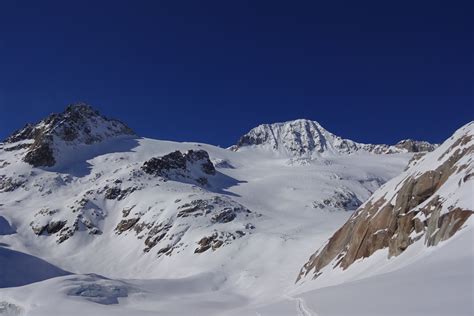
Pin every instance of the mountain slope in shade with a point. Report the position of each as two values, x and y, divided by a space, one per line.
429 202
308 139
20 269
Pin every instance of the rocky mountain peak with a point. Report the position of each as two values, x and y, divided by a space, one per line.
80 110
78 124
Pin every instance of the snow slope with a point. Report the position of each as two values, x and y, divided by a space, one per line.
423 281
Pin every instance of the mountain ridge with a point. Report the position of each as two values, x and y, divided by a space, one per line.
303 138
80 123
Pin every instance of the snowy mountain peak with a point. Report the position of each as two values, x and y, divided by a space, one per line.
304 138
78 124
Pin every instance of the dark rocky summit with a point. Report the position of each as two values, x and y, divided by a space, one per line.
78 124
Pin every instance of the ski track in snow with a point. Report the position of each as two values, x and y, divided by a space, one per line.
301 308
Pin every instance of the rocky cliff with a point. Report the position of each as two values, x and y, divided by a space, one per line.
429 202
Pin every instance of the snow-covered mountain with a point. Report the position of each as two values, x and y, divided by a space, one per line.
305 139
119 224
79 124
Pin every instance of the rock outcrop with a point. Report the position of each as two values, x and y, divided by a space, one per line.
9 184
415 146
169 234
194 164
341 199
78 124
425 202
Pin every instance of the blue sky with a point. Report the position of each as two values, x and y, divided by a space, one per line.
210 70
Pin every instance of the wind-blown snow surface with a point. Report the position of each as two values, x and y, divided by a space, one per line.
292 208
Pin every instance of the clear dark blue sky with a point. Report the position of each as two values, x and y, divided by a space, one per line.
209 71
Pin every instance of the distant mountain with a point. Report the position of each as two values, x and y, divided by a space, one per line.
308 139
428 203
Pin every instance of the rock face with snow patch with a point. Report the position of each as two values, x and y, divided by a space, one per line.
415 146
429 201
341 199
308 139
78 124
193 164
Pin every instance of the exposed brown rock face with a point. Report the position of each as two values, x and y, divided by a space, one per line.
216 240
409 211
126 224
